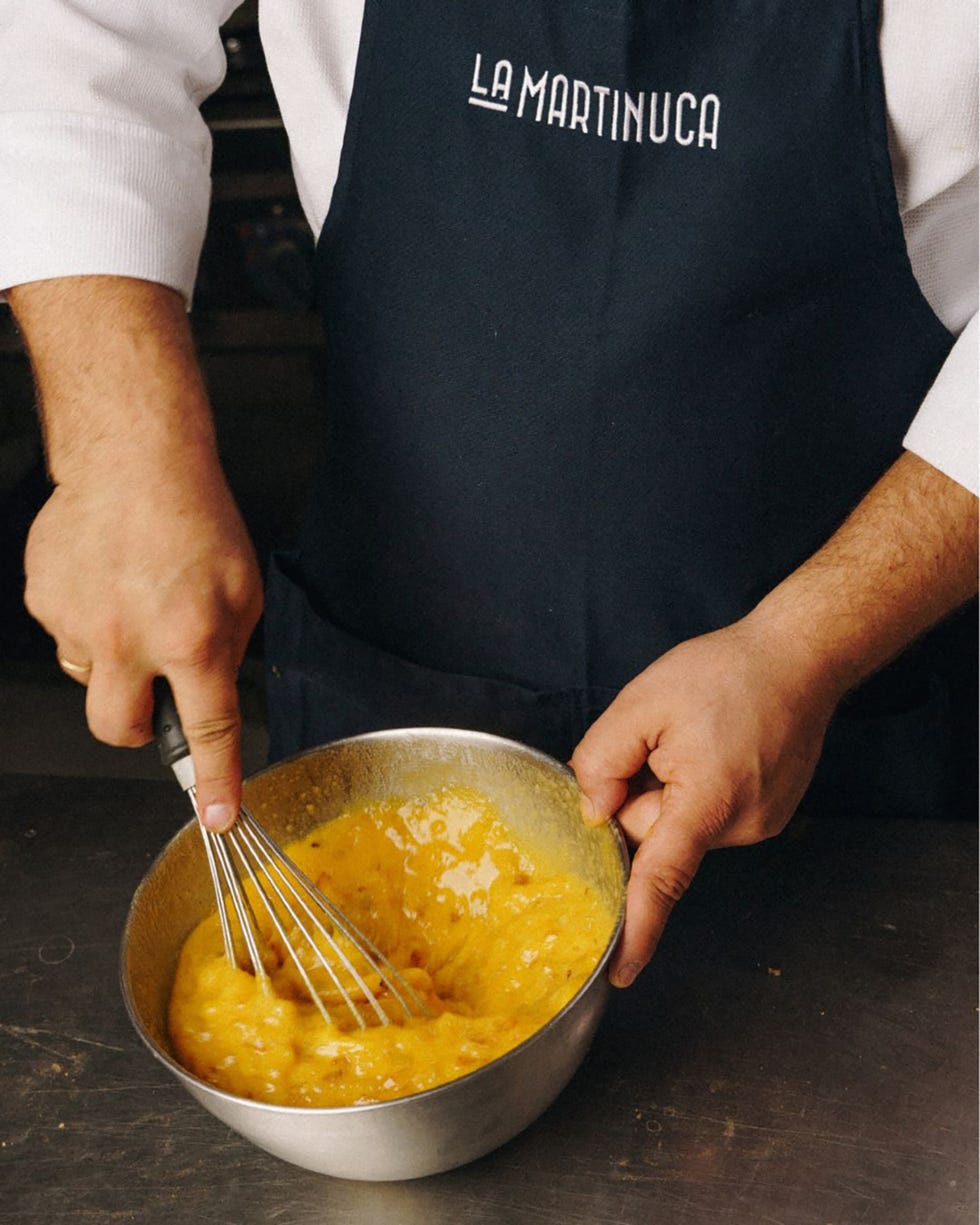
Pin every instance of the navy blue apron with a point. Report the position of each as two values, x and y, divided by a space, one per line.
620 325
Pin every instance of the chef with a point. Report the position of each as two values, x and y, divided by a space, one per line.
650 404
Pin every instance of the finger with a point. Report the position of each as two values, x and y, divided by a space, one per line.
79 672
207 703
637 815
663 868
610 753
119 705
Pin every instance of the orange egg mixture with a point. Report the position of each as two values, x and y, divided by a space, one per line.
493 938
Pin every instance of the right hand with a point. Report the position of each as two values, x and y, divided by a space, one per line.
140 573
139 564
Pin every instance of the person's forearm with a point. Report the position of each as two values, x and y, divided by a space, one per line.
139 564
117 377
903 560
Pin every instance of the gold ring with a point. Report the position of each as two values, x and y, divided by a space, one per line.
77 669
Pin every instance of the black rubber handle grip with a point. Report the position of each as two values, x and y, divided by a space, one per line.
169 734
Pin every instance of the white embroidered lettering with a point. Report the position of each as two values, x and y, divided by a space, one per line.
708 134
503 74
658 138
476 87
580 107
559 99
683 100
601 92
638 117
633 110
478 92
532 89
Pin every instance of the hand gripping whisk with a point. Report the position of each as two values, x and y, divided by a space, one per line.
340 969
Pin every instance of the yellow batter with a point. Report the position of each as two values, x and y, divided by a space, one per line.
494 940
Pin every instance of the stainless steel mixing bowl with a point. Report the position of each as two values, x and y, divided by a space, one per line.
465 1118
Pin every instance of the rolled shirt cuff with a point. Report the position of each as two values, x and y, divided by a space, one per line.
945 429
83 196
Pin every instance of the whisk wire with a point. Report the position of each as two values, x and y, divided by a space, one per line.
222 866
266 868
248 925
395 982
252 931
246 841
219 892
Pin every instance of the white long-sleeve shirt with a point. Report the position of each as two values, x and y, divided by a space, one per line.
105 159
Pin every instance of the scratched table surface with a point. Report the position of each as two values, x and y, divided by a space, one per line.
803 1051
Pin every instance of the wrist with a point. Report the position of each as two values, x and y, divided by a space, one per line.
119 386
140 438
905 558
809 641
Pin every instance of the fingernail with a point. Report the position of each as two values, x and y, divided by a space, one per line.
218 818
626 974
589 814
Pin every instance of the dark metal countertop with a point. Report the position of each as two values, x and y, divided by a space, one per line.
802 1052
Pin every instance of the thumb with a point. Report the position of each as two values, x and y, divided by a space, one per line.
209 713
663 867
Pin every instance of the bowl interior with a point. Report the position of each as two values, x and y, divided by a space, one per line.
536 797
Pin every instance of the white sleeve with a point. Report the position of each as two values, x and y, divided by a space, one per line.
945 430
104 158
929 61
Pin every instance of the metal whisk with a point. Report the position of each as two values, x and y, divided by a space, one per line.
312 930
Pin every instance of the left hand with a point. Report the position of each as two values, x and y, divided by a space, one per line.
713 745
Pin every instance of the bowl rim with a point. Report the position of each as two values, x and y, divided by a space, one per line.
207 1088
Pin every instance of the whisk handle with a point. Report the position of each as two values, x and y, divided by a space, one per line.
167 730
